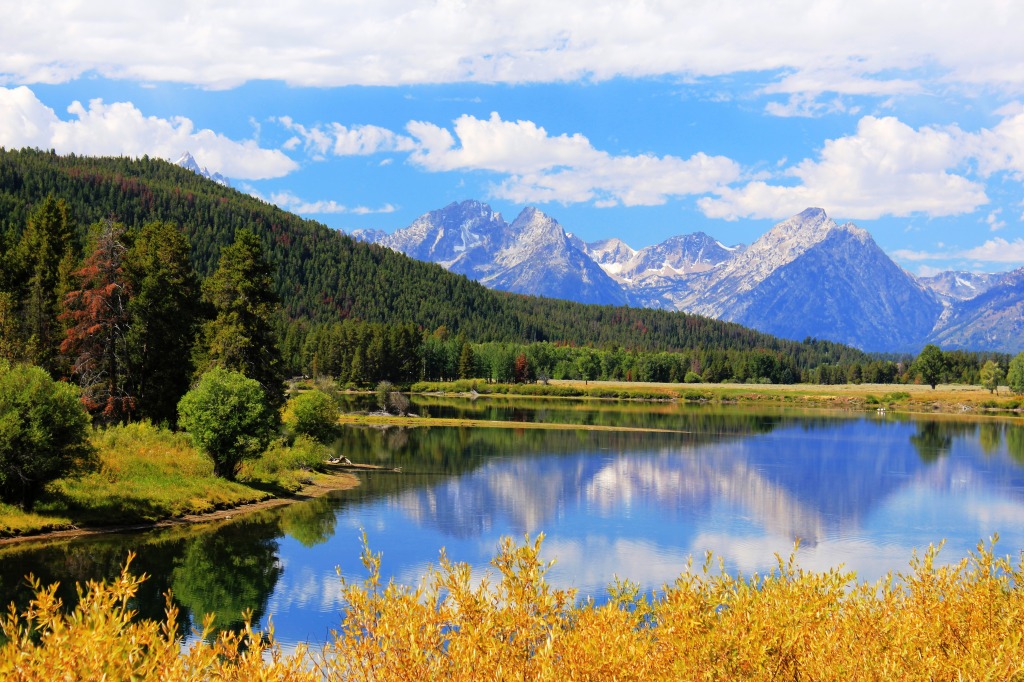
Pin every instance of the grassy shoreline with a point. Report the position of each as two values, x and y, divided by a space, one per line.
909 398
147 476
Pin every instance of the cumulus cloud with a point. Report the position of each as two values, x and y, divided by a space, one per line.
814 46
340 140
291 202
538 166
885 168
997 250
120 129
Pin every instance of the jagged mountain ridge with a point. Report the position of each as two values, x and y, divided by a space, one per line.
806 277
868 299
187 161
531 255
992 320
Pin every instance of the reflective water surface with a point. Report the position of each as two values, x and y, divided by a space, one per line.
859 490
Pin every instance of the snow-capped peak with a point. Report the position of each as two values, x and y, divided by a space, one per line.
188 162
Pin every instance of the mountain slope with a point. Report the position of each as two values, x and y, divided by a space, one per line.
991 321
323 276
533 255
540 259
846 286
810 277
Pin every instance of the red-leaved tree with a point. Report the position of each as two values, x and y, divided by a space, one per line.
98 323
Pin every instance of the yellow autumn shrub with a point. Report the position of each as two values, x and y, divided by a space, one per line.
958 622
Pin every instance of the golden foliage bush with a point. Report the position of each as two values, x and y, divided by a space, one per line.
958 622
99 640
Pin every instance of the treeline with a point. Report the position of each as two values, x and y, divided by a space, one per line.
122 313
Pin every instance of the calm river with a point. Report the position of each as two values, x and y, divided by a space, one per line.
861 490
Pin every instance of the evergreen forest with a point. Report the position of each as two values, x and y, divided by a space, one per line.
134 276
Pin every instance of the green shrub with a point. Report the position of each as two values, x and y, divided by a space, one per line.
228 418
44 432
286 466
314 414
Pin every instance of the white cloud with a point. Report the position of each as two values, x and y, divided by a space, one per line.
340 140
994 222
911 255
871 46
497 145
563 168
928 271
537 166
885 168
997 250
291 202
120 129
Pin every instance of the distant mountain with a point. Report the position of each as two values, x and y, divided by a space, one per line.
809 276
806 277
960 286
186 160
660 276
532 255
993 320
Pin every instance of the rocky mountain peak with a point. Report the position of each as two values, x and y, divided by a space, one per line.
536 226
188 162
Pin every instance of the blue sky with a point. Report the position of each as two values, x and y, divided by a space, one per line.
639 119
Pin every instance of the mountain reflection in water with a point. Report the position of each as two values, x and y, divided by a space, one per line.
855 490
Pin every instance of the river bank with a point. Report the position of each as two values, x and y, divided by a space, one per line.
910 398
322 484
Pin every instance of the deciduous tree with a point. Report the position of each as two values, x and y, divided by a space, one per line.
991 375
228 418
930 364
314 414
44 432
1015 375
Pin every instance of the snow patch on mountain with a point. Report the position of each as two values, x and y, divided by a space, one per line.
188 162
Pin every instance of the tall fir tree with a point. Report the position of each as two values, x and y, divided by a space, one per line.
241 336
47 256
164 315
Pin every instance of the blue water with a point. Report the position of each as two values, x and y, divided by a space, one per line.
859 491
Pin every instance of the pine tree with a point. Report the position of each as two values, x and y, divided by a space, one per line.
466 362
164 313
47 256
241 337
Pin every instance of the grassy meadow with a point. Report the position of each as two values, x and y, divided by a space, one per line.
144 474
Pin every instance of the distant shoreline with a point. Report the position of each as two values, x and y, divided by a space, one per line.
902 398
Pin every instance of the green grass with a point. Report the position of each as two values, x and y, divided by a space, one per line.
147 474
288 468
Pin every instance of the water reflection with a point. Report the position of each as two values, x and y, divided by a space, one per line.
223 568
854 490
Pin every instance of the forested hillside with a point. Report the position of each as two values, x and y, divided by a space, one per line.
324 276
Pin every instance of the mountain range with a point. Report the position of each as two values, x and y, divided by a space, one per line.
806 277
